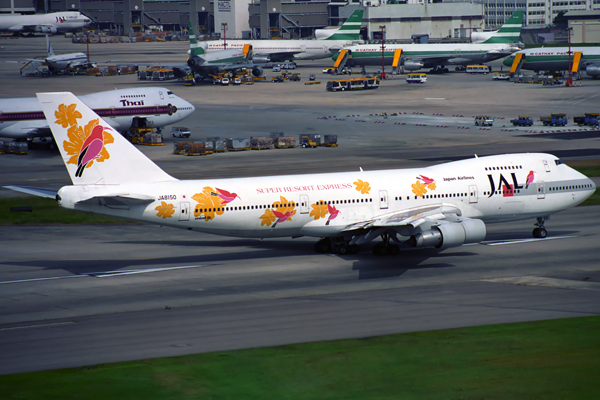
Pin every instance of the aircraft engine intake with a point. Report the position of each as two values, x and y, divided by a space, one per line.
450 234
593 70
257 71
195 62
412 65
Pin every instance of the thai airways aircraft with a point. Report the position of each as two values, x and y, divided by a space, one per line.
203 64
23 118
442 206
557 59
44 23
438 56
281 50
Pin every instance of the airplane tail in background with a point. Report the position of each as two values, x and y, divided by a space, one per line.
508 33
49 46
196 49
93 152
350 30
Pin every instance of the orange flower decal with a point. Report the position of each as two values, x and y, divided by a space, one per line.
165 210
431 186
362 187
282 211
67 115
319 210
419 189
208 205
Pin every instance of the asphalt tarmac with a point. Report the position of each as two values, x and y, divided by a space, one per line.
82 295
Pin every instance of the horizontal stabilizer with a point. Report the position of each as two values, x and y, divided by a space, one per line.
51 194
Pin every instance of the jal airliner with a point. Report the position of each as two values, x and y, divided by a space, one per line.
23 118
441 206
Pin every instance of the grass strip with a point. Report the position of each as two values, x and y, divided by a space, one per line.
555 359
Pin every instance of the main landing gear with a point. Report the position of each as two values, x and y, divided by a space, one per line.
540 231
385 248
336 246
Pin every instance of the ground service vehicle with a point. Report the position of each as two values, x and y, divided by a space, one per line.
522 121
352 84
180 132
587 119
501 76
309 140
477 69
416 78
484 120
555 120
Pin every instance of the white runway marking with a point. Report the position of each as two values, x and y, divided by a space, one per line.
36 326
105 274
496 243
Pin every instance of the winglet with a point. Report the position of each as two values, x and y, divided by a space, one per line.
93 151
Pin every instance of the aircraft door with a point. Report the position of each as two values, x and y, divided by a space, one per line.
546 166
541 190
184 211
472 194
303 204
303 48
160 93
383 199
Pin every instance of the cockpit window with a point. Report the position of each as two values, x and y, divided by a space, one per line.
170 93
558 162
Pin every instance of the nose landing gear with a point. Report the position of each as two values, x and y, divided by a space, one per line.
540 232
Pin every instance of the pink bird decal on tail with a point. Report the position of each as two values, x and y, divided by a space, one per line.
90 149
530 178
225 196
333 212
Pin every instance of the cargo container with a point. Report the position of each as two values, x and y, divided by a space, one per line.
195 149
179 147
210 147
261 143
219 146
237 144
330 141
285 142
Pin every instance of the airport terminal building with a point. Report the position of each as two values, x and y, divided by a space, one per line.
270 19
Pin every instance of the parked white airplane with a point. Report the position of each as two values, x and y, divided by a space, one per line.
44 23
441 206
22 118
58 62
281 50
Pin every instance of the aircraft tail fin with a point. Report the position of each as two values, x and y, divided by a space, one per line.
196 49
94 152
510 32
49 46
350 30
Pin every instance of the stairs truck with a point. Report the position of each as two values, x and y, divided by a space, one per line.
522 120
555 120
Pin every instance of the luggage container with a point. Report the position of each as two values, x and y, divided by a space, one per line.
219 146
261 143
21 148
237 144
330 141
210 147
195 149
179 147
285 142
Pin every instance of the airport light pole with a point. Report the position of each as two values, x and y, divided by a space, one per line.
224 27
570 79
382 27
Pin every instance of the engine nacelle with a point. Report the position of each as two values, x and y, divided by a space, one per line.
46 29
195 61
593 70
451 234
257 71
412 65
260 59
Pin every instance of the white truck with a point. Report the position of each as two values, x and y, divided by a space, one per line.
484 120
180 132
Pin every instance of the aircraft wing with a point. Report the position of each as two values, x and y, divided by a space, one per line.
413 217
51 194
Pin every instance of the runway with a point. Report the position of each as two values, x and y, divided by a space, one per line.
82 295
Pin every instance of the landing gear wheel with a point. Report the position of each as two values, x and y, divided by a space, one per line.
323 246
340 249
393 249
380 249
540 233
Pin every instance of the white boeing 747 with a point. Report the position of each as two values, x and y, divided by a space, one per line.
23 118
441 206
63 21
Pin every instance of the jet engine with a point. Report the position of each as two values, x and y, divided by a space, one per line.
593 70
257 71
450 234
260 59
195 61
45 29
412 65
